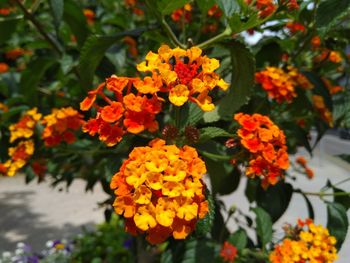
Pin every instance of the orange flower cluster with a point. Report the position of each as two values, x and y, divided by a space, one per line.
228 252
294 27
182 13
316 42
5 11
214 11
13 54
266 144
24 149
3 107
332 89
185 74
303 163
60 125
160 191
4 67
24 128
265 7
291 4
313 244
133 5
127 113
90 15
132 46
331 55
324 112
280 85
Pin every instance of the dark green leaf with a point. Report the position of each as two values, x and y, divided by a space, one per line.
204 225
31 77
242 84
239 239
337 222
228 6
263 225
208 133
166 7
7 28
195 114
341 199
251 189
279 195
224 179
205 5
309 206
94 50
330 10
57 11
198 250
74 17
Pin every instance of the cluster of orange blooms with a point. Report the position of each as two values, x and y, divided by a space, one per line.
294 27
24 149
160 191
17 52
330 55
90 15
303 163
133 5
5 11
291 4
332 89
280 85
182 13
3 107
184 74
265 7
316 42
313 244
266 144
60 125
228 252
3 67
322 109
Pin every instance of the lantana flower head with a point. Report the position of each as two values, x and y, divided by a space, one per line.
60 126
24 128
265 7
266 144
311 243
160 192
186 75
128 111
280 85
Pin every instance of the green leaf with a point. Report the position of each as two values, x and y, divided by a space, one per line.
263 225
7 28
337 222
195 114
199 251
94 50
309 206
211 116
208 133
341 199
251 189
329 11
13 111
239 239
31 77
205 5
74 17
204 225
279 195
228 6
166 7
57 11
242 84
224 179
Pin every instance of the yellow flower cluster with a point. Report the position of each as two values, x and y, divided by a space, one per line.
313 245
25 127
160 191
185 74
24 149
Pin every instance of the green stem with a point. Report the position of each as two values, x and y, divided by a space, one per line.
171 34
215 156
39 27
322 194
255 254
177 116
226 33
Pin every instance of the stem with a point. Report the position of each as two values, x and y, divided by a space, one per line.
177 116
322 194
39 27
227 32
215 156
255 254
171 34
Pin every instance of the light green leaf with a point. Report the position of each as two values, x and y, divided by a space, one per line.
208 133
263 225
57 11
239 239
228 6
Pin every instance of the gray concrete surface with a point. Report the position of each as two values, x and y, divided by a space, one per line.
36 213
